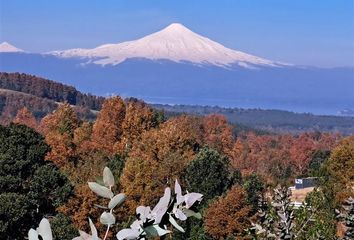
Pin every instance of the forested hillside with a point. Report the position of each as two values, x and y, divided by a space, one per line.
146 154
12 101
44 88
41 97
269 120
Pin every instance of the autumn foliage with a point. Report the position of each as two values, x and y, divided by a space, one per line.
202 152
25 117
139 118
279 156
107 130
80 206
158 158
58 129
217 133
228 216
341 169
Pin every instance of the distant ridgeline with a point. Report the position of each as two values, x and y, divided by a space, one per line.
42 96
44 88
268 120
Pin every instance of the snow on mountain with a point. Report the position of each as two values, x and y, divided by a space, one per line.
7 47
176 43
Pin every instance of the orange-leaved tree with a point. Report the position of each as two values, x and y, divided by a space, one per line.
228 215
58 129
218 133
25 117
340 167
81 206
301 152
139 118
159 158
107 130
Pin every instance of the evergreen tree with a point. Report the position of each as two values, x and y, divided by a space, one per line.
30 187
208 173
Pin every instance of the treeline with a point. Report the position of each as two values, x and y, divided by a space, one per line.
44 88
269 120
11 102
244 119
147 152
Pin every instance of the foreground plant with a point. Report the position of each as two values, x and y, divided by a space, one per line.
346 215
43 230
149 223
169 209
279 225
107 218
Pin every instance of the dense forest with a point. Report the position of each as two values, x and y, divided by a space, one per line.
44 88
41 97
45 166
11 102
269 120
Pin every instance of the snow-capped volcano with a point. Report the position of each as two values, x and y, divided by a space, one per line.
194 71
7 47
176 43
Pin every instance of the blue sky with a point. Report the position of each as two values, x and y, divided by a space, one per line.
306 32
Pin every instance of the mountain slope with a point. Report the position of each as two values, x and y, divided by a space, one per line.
177 66
6 47
176 43
315 90
47 89
41 96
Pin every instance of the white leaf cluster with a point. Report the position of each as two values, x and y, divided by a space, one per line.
149 222
43 230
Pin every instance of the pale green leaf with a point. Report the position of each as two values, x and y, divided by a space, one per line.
116 200
175 224
190 213
93 229
100 190
155 231
128 234
108 178
32 234
107 218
